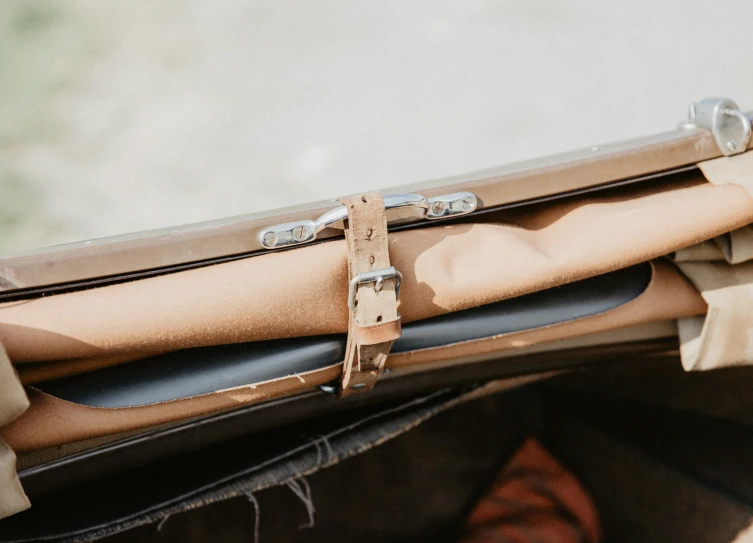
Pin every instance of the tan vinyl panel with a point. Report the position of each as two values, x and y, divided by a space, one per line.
303 292
51 421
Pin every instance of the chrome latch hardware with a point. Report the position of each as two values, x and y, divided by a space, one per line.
729 125
300 232
377 277
448 205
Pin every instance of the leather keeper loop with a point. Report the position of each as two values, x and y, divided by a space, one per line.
379 333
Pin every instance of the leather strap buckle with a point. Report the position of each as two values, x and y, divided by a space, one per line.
374 320
377 277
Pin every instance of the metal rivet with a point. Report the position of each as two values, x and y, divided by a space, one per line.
300 233
437 208
732 145
328 389
270 239
467 204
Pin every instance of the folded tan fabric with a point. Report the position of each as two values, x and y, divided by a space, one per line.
733 247
723 336
445 268
13 403
717 268
12 496
52 421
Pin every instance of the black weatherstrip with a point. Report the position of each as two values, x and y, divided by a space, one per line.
561 304
208 369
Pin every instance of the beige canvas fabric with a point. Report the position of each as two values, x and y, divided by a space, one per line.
724 336
721 270
733 247
12 496
304 291
13 403
736 170
736 246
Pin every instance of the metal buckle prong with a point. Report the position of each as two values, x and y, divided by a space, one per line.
377 277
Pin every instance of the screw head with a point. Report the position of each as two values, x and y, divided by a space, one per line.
300 233
269 239
732 145
437 208
468 204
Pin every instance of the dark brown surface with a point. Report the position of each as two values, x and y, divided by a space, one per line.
414 488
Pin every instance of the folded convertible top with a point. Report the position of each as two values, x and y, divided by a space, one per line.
464 280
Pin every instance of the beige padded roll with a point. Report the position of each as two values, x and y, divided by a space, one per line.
724 336
304 291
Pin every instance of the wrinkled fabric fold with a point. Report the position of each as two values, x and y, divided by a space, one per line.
724 336
721 270
303 292
12 496
737 170
736 246
13 402
733 247
51 420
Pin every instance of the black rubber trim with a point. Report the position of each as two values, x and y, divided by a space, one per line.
561 304
208 369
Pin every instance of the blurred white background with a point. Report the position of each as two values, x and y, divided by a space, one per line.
123 116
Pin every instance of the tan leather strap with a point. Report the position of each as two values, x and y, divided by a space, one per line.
374 322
